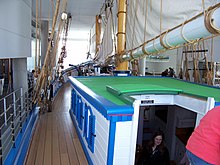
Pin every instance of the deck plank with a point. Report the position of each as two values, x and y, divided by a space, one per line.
41 142
31 156
80 152
55 141
48 141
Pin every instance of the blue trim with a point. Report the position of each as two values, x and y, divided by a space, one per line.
81 140
217 104
17 155
85 120
81 114
104 106
91 138
111 142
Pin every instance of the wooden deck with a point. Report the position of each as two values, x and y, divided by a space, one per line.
55 141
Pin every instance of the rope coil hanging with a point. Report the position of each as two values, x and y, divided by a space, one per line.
209 22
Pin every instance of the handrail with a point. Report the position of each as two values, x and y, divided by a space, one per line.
16 109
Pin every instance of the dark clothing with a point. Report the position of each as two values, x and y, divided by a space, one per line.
171 73
164 73
156 157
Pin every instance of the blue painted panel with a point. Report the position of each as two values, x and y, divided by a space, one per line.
91 139
74 101
85 120
81 117
217 104
105 107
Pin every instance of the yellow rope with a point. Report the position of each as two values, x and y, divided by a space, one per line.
161 11
134 22
212 48
145 20
182 35
158 51
209 22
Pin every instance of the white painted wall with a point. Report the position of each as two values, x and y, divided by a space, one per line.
19 67
159 66
15 28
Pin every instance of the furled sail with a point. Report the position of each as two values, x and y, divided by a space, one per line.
147 19
106 47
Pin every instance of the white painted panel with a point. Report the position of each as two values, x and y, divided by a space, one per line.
123 129
15 39
157 99
122 152
125 139
194 104
122 142
123 132
122 161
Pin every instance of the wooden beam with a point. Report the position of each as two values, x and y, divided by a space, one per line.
121 37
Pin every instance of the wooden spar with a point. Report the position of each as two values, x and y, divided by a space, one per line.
54 52
98 33
208 27
121 38
43 74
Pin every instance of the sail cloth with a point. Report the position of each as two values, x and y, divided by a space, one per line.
106 47
146 19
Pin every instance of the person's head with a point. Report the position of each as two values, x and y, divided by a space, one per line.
158 138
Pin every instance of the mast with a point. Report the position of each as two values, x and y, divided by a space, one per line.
121 38
98 32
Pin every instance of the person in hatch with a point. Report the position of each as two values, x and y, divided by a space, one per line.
156 153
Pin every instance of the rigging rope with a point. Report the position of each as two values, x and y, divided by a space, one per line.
36 35
134 22
145 20
161 11
39 39
41 78
187 75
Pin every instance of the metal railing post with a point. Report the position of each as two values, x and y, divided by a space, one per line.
22 101
5 109
27 106
14 103
1 154
13 129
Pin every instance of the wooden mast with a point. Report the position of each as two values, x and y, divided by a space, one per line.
121 38
98 33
